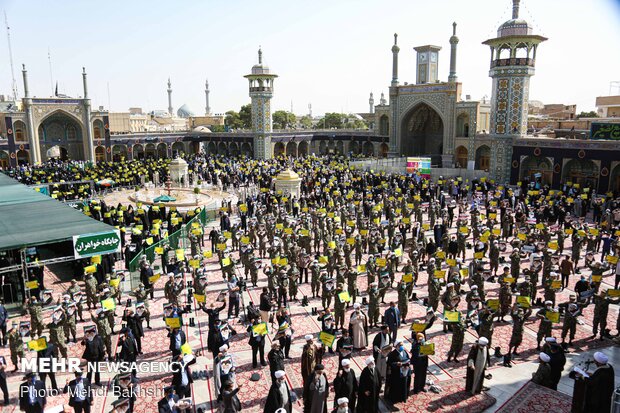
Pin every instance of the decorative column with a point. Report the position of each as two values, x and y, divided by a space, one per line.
89 147
453 42
33 143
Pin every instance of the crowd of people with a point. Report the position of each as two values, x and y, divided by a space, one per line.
475 254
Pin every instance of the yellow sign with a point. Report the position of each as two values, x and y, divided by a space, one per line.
463 230
418 327
180 253
493 304
613 293
260 329
95 259
363 232
31 285
351 241
540 225
288 231
114 282
398 252
439 274
194 263
612 259
381 262
90 269
173 322
464 272
597 278
283 261
553 316
243 208
509 280
556 284
153 278
200 298
426 226
427 349
594 231
323 259
159 250
406 220
226 261
569 231
221 246
524 301
207 254
326 338
440 254
407 278
451 262
361 268
37 345
109 304
479 255
280 226
186 349
451 316
149 241
344 297
331 245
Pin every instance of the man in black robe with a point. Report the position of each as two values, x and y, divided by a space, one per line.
369 388
477 362
345 384
600 385
398 379
280 395
381 340
557 362
316 391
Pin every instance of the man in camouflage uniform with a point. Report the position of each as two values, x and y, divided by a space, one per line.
403 300
505 301
36 317
104 295
57 333
515 263
352 284
373 304
76 295
293 281
327 290
570 322
434 291
254 266
103 328
486 327
16 345
458 337
69 325
142 296
519 317
90 284
545 326
601 309
177 288
494 257
339 308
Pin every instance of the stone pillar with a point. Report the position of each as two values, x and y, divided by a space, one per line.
89 149
156 178
33 142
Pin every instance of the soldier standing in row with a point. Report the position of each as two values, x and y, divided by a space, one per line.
458 337
57 333
103 328
36 318
16 345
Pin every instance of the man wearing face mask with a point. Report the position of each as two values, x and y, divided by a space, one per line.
80 394
316 391
280 395
32 394
358 327
544 329
57 334
93 353
420 363
399 374
169 402
369 388
345 385
342 406
16 345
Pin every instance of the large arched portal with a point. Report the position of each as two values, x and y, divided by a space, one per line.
60 129
422 133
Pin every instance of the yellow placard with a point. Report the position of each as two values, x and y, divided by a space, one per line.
288 231
381 262
597 278
173 322
180 253
153 278
96 259
464 272
351 241
245 240
260 329
440 254
280 226
594 231
408 278
524 301
331 245
207 254
439 274
426 226
493 304
109 304
451 316
243 208
522 236
115 282
227 234
613 293
479 255
275 260
323 259
427 349
350 223
361 268
569 231
200 298
283 261
451 262
197 231
363 232
221 246
540 225
37 345
186 349
556 284
339 231
304 232
226 261
326 338
90 269
31 285
612 259
553 316
159 250
509 280
344 297
418 327
194 263
463 230
149 241
406 220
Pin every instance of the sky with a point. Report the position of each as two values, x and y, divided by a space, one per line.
328 53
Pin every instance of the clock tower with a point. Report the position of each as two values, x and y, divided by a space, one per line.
427 64
513 55
261 91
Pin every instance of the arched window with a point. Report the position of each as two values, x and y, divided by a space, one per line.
71 135
384 125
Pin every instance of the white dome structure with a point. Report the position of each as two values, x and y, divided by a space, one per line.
184 112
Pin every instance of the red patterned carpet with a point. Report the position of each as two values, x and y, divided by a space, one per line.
532 398
453 399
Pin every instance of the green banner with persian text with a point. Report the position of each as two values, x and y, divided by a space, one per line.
605 131
87 245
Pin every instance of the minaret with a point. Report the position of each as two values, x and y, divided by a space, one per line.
33 142
170 97
89 147
395 50
207 107
453 42
261 91
371 103
382 101
513 56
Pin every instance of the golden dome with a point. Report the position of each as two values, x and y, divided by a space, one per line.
288 175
